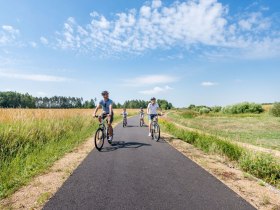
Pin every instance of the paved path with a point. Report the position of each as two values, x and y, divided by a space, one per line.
138 173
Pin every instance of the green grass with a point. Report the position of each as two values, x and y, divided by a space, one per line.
256 129
29 147
261 165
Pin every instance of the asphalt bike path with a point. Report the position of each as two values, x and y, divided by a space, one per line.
136 172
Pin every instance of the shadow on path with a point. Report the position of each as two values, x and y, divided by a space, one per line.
132 126
123 145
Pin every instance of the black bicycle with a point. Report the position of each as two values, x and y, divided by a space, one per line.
101 133
155 128
141 120
124 121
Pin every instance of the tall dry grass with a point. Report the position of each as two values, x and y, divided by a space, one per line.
32 139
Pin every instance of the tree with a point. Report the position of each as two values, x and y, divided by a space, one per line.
164 104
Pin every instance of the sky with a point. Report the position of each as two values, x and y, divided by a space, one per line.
210 52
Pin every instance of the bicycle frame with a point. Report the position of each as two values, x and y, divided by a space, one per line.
103 125
155 127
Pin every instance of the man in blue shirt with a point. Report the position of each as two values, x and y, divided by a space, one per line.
107 106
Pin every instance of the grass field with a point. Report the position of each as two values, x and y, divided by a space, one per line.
31 140
257 129
262 165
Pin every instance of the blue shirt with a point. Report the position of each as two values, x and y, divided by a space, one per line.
105 105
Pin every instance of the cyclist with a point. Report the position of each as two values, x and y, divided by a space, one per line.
141 114
152 111
124 114
107 106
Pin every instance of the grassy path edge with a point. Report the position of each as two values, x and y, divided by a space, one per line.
261 165
21 196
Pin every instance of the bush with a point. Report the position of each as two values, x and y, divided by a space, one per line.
204 110
261 165
242 108
275 110
216 108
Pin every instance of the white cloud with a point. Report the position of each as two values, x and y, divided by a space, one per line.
33 44
156 90
33 77
10 29
189 25
152 26
150 80
44 40
156 3
8 35
208 84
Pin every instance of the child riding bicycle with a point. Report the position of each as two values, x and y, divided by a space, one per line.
124 114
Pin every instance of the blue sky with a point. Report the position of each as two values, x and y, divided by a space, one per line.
189 52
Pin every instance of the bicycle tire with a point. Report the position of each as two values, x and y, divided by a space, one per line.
98 138
152 131
156 132
141 123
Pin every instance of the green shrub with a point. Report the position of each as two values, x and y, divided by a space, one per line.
242 108
275 110
216 108
261 165
197 108
204 110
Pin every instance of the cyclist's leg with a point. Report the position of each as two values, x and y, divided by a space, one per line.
150 122
101 117
110 121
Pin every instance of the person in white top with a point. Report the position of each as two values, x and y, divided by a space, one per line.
152 111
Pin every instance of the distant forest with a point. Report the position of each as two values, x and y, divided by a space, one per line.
17 100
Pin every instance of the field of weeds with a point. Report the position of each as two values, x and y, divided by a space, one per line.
31 140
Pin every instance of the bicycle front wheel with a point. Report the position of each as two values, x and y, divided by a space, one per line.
99 139
156 132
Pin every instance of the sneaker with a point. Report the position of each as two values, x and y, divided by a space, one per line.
110 139
149 134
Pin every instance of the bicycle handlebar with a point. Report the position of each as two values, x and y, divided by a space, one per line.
156 114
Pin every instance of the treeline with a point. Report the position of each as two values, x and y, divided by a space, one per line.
136 104
18 100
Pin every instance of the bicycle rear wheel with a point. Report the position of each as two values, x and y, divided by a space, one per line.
156 132
141 123
99 139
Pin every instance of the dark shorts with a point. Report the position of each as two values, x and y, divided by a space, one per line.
105 116
152 116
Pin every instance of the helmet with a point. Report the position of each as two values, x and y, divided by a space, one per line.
153 98
105 92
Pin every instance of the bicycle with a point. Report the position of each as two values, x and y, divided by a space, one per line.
155 128
141 120
101 133
124 121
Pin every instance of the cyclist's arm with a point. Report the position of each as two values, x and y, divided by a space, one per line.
96 109
110 109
